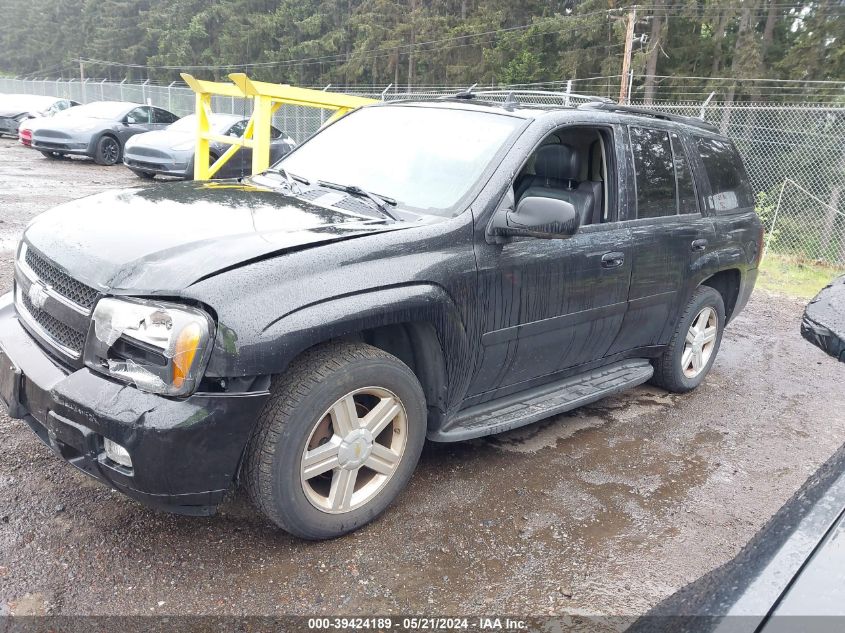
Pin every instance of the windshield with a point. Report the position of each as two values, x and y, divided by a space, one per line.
103 110
424 158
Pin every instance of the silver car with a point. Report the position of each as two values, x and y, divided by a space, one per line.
15 109
98 130
171 152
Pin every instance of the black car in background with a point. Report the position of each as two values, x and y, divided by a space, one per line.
98 130
442 270
170 152
17 108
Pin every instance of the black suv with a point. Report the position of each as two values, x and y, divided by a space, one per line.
441 270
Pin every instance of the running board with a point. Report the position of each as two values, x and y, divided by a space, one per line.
530 406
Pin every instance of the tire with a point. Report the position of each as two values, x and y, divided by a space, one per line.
305 411
52 155
678 372
108 151
143 175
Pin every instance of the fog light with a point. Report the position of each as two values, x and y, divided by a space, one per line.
117 453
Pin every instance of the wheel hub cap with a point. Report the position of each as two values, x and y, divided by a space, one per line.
355 449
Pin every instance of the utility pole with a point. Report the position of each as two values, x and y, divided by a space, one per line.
82 79
626 60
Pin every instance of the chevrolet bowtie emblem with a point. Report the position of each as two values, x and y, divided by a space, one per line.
37 296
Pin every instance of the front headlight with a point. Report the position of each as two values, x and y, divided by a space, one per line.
157 346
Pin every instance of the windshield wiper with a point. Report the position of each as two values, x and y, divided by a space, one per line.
354 190
292 180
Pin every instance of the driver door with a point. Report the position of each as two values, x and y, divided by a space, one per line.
137 121
548 305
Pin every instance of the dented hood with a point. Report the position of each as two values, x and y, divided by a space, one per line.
164 238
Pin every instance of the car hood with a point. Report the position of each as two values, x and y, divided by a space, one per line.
162 239
11 113
160 139
76 124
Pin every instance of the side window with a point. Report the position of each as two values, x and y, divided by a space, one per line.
572 164
163 116
237 129
729 185
687 200
655 175
138 115
275 133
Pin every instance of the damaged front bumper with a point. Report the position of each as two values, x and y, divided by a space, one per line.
185 451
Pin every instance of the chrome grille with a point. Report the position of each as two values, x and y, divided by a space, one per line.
62 283
69 338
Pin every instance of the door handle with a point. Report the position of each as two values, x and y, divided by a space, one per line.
698 245
612 260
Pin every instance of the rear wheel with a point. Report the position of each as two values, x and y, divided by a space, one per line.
337 441
107 151
693 348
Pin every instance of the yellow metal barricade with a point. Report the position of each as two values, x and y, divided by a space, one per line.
266 99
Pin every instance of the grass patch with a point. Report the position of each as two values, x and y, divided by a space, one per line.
794 276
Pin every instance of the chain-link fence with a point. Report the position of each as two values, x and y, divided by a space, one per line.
795 154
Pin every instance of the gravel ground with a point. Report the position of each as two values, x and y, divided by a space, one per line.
606 510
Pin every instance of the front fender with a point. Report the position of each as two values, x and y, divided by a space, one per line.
284 338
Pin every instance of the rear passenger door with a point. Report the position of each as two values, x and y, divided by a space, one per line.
672 242
241 162
162 119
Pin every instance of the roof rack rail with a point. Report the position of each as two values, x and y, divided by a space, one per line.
654 114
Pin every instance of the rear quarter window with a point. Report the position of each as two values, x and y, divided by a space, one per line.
729 186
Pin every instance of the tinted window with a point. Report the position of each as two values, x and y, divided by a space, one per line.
237 129
275 133
138 115
729 186
687 201
163 116
655 174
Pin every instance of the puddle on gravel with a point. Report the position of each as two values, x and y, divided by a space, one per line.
598 495
546 434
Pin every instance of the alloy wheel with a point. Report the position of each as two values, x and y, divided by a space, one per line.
353 450
700 342
110 151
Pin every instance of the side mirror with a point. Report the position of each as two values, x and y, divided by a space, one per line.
535 216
